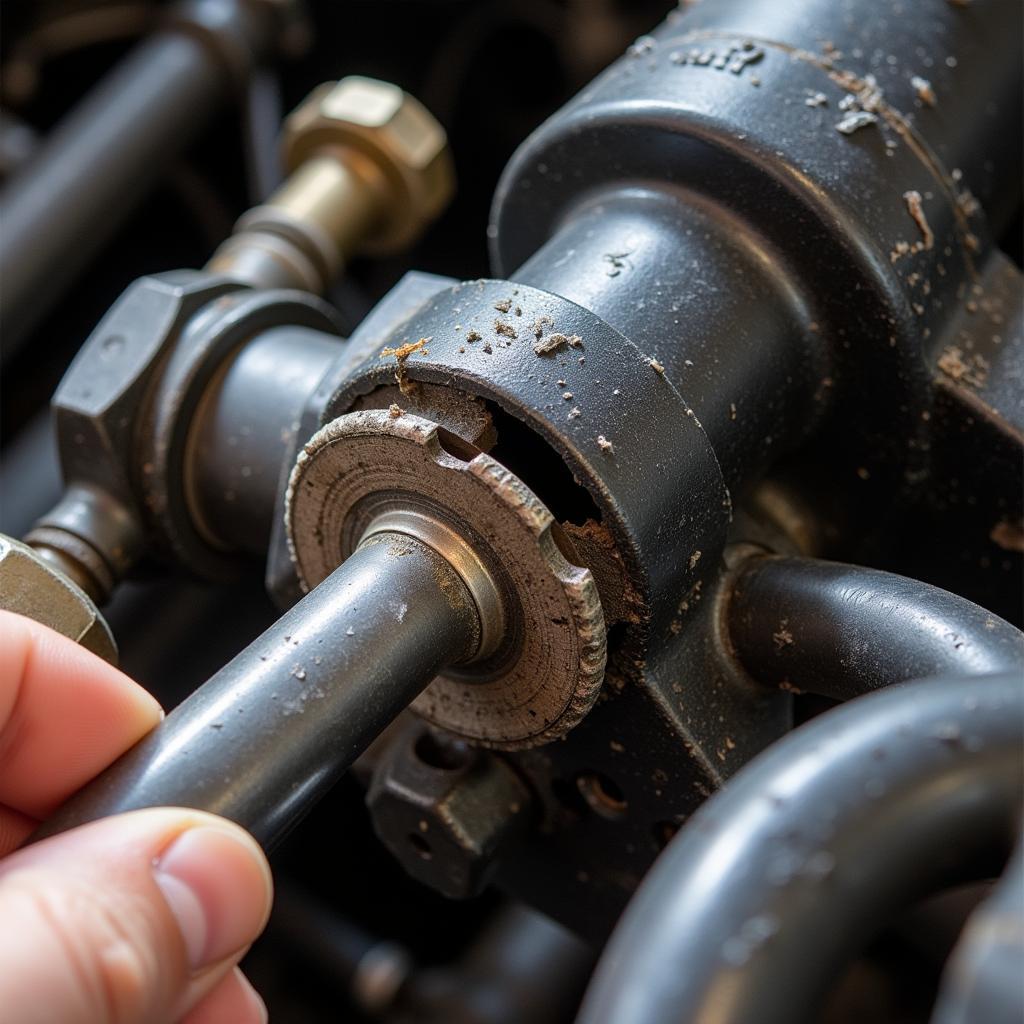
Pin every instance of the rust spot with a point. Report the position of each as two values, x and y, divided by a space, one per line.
401 354
916 210
1008 536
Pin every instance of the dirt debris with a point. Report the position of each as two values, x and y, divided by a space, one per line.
924 90
395 411
506 330
782 637
970 368
656 366
855 120
504 306
604 444
474 336
553 342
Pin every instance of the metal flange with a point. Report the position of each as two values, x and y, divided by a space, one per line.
535 681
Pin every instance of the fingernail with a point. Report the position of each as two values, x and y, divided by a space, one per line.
217 885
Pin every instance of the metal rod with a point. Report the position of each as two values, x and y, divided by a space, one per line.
271 732
782 877
844 630
102 159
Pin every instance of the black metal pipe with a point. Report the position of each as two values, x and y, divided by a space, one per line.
844 630
107 153
785 874
271 732
522 967
982 980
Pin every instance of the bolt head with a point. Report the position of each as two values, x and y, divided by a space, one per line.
403 144
446 824
32 587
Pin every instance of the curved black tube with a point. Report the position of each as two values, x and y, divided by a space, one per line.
785 874
844 630
982 982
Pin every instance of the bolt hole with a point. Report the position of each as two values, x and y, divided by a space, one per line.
445 754
421 846
602 795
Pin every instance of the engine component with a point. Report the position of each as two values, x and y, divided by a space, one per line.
734 432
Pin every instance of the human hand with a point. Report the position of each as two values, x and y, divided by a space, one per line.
137 919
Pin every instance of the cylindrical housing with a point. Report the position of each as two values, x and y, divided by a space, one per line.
709 302
777 202
277 726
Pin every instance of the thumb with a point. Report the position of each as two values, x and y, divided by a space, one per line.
129 920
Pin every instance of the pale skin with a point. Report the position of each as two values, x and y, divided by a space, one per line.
138 919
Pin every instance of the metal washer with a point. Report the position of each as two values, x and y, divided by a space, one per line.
369 462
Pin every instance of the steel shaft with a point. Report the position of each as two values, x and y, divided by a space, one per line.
266 736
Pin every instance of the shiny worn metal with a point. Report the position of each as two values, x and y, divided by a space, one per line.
31 585
545 675
463 559
813 846
446 811
369 170
271 732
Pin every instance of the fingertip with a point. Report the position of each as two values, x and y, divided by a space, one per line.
233 999
217 883
65 714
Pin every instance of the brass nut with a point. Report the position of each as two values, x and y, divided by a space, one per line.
405 146
32 587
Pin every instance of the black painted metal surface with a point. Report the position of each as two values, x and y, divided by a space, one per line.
844 630
780 879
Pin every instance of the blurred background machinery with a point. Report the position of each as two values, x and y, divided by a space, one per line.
563 561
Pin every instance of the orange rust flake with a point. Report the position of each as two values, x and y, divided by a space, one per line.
401 354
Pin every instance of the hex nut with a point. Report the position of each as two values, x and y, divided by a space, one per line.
446 823
30 586
402 139
98 402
